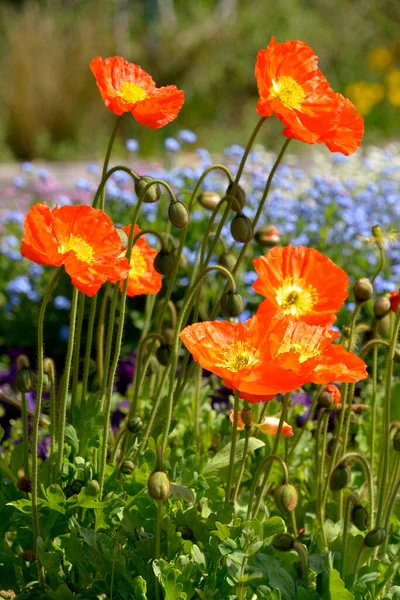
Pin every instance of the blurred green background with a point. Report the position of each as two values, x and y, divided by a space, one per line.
50 107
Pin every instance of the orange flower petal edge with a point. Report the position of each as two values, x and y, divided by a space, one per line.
81 238
334 391
270 426
395 300
126 87
142 278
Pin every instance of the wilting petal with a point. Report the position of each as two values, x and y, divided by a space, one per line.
270 425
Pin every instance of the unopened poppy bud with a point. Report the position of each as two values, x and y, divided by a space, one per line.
247 416
396 441
340 478
178 214
25 380
164 262
49 366
377 232
127 467
209 200
92 488
123 236
163 354
334 391
227 260
135 424
239 194
360 517
286 497
283 542
232 304
325 400
46 383
185 531
152 367
381 307
76 486
241 228
153 193
22 362
375 537
384 326
363 290
267 236
158 485
24 484
169 335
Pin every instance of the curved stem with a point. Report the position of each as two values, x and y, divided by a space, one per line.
122 434
389 509
138 380
319 460
243 463
350 502
88 349
381 262
372 344
233 448
100 334
110 335
77 349
196 405
265 463
303 556
153 413
368 476
25 434
308 417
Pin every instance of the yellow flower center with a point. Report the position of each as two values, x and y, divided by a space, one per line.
239 356
288 91
295 297
138 264
132 93
83 251
305 350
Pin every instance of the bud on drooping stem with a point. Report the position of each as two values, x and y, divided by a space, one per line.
153 193
375 537
267 236
158 484
360 517
363 290
381 307
396 441
227 260
286 497
339 478
241 228
164 262
22 362
232 304
247 416
325 400
163 354
127 467
283 542
134 425
178 214
239 195
25 380
209 200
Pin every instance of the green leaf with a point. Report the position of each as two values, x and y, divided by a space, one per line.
1 433
273 526
17 458
337 588
56 498
140 588
181 492
198 556
212 469
71 438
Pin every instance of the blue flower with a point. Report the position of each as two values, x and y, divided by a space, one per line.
27 167
132 145
19 181
186 136
172 145
64 333
93 168
62 303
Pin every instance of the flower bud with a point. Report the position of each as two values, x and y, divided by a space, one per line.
363 290
381 307
185 531
360 517
339 478
384 326
209 200
49 366
25 380
163 354
24 484
178 214
123 236
283 542
247 416
232 304
286 497
396 441
127 467
46 382
375 537
239 195
159 485
22 362
76 486
227 260
153 193
135 424
164 262
334 391
325 400
92 488
267 236
241 228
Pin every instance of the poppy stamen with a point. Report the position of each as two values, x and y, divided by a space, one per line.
132 93
138 264
75 243
296 297
239 356
288 91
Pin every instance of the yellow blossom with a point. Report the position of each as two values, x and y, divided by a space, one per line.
380 58
365 95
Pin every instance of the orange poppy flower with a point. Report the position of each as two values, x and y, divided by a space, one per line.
142 278
291 85
334 391
395 300
81 238
263 357
270 425
300 283
125 87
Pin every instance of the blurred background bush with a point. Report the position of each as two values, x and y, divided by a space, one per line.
50 107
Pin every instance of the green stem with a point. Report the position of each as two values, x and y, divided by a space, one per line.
109 341
381 262
243 462
77 350
389 509
308 417
88 349
140 373
153 415
368 477
373 344
101 193
320 460
265 463
233 448
373 406
157 551
386 419
122 434
196 405
53 421
65 385
350 502
303 556
25 434
100 334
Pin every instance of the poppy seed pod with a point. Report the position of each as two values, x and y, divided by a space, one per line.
325 399
25 380
360 517
22 362
163 354
286 497
158 485
339 478
363 290
396 441
241 228
247 416
178 214
209 200
127 467
239 194
375 537
232 304
24 484
381 307
135 424
153 193
92 488
267 236
227 260
123 236
283 542
164 262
